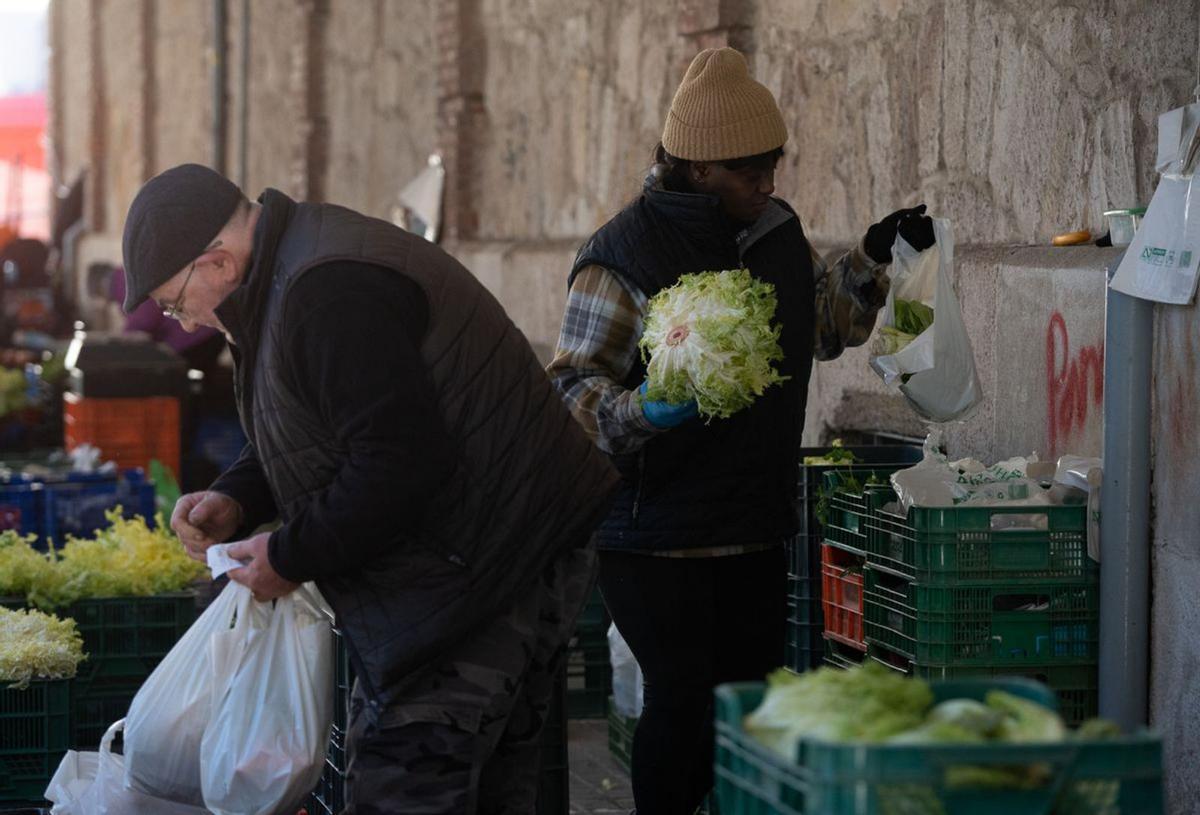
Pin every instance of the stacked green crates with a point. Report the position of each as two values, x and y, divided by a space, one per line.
804 645
1121 776
589 669
968 591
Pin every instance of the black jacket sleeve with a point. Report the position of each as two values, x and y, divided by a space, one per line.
245 483
352 333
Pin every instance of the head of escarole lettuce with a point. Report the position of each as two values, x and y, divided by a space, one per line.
710 338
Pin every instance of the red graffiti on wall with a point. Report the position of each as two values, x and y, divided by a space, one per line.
1068 397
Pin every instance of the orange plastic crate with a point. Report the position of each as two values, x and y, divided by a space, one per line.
841 596
130 432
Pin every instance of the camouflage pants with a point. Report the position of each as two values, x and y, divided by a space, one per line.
464 738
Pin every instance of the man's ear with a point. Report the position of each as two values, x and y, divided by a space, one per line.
221 261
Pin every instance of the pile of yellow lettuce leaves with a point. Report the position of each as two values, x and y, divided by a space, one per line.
35 646
126 559
873 704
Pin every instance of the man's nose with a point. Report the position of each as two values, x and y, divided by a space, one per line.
767 186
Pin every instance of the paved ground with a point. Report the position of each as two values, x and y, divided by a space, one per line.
599 785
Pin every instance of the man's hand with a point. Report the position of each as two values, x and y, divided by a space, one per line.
257 575
912 224
664 415
201 519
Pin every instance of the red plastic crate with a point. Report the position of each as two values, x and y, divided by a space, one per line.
130 432
841 596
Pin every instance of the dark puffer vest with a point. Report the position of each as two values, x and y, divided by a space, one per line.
527 483
730 481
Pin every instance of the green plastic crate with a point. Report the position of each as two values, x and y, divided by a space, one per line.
620 735
979 544
1076 686
850 509
1121 776
963 624
35 731
880 460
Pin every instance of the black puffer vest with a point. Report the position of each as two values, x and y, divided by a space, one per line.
527 483
730 481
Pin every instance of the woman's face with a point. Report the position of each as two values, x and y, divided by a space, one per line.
744 193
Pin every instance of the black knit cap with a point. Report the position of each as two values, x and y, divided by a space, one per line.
171 221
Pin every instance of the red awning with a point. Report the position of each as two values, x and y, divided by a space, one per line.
23 129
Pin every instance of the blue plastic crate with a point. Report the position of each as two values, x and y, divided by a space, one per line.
21 507
76 505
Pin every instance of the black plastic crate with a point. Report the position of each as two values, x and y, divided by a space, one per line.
96 706
35 728
620 735
840 655
329 797
589 668
804 644
125 637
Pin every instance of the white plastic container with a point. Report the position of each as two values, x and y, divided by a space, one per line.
1122 224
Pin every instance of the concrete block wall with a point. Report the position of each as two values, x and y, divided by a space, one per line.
1175 566
1018 119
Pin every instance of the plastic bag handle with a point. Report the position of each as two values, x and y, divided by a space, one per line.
111 733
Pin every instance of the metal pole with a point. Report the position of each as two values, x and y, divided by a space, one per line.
219 73
244 99
1125 509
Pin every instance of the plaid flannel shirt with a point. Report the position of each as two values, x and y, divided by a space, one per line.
602 324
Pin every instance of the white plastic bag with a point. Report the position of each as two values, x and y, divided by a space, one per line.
626 675
936 371
94 784
264 748
167 717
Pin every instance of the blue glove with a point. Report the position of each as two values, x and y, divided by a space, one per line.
664 415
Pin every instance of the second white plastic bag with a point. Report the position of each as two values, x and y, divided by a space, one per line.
626 675
167 717
88 783
272 707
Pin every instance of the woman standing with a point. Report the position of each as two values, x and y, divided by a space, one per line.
692 564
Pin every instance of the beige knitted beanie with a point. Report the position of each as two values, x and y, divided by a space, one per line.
719 112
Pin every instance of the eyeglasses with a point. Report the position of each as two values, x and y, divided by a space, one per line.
172 310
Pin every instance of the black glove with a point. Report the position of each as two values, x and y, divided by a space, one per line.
912 224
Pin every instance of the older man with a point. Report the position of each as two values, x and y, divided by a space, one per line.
426 475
